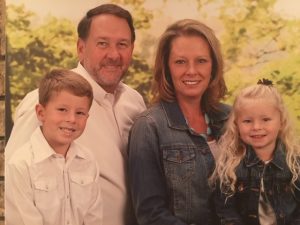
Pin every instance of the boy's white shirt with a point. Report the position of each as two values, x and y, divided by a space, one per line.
44 188
106 135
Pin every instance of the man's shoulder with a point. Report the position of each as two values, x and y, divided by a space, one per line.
30 99
126 89
22 156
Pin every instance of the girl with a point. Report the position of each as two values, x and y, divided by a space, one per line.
257 174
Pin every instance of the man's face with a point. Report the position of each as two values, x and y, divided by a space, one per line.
106 53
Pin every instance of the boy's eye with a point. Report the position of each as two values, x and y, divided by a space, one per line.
81 113
62 109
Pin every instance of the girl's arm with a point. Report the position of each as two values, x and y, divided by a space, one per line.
296 215
226 208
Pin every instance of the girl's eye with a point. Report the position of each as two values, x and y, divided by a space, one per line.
266 119
246 121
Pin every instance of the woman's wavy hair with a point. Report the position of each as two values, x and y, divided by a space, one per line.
233 150
163 88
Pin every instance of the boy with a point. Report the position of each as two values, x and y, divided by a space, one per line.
51 180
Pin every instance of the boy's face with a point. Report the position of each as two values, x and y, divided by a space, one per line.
63 119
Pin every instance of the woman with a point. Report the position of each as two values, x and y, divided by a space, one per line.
172 144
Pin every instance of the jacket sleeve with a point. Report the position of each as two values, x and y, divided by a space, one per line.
296 215
226 208
146 176
25 122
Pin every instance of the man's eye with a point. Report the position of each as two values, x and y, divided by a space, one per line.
123 45
102 44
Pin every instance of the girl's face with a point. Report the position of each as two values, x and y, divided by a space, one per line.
258 122
190 66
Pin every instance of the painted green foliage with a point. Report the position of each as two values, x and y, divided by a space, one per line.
256 42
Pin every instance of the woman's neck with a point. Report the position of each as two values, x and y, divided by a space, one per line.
194 115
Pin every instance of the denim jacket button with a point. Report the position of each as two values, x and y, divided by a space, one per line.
241 187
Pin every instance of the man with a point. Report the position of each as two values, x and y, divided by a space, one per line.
105 44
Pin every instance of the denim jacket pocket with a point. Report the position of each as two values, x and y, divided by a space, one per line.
179 162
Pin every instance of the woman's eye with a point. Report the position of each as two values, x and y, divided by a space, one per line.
179 61
202 60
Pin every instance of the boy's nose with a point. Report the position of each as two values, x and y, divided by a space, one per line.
71 117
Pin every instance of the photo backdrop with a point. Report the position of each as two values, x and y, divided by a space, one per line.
260 39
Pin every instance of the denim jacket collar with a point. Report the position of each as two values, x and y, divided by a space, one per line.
176 118
278 160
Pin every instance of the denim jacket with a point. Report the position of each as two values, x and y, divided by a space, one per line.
242 207
169 166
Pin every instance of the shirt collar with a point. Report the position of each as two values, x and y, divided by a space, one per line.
278 160
176 118
100 95
42 150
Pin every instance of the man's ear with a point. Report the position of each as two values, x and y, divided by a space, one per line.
80 49
40 112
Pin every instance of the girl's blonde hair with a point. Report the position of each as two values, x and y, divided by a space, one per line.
233 150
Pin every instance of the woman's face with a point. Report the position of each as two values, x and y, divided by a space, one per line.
190 66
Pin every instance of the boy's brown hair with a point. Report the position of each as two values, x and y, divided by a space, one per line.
58 80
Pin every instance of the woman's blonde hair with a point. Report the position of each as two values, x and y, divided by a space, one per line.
232 148
163 88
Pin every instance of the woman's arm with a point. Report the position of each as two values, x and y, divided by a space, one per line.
146 176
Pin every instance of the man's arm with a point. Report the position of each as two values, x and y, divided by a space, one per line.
25 122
